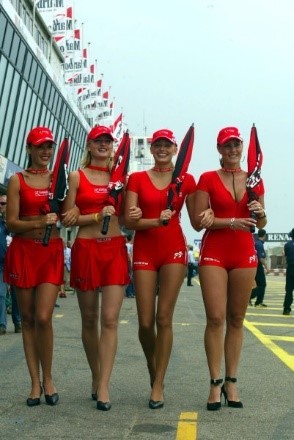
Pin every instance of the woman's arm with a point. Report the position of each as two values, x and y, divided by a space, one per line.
69 213
202 204
257 206
206 217
131 215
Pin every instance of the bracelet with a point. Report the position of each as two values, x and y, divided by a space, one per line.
96 217
263 216
232 221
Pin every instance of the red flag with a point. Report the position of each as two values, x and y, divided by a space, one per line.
118 176
181 168
58 186
254 159
254 162
69 12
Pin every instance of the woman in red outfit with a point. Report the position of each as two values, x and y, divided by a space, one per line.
36 271
159 255
227 263
97 261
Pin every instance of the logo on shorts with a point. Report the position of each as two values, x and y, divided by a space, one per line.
252 259
178 254
211 259
141 263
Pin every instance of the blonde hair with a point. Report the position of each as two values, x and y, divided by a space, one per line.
86 159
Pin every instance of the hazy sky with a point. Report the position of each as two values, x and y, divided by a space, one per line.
215 63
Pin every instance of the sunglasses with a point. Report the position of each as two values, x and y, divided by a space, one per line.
2 203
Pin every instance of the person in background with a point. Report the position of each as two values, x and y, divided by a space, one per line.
3 249
35 271
98 262
67 259
258 292
289 287
191 265
159 254
130 290
227 264
67 262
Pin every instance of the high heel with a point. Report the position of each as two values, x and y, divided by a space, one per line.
34 401
156 404
215 406
231 403
103 406
51 399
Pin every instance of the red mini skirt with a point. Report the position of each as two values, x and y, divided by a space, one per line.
28 263
97 262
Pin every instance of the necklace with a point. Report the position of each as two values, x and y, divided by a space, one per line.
231 170
33 171
162 170
94 167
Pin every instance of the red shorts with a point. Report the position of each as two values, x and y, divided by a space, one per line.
228 249
155 247
28 263
97 262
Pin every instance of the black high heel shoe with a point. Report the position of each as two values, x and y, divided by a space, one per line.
51 399
103 406
231 403
156 404
34 401
215 406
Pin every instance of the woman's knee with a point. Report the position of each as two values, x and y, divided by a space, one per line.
216 321
164 321
27 320
235 321
89 321
44 320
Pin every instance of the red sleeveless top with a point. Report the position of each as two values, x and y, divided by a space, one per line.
32 201
90 198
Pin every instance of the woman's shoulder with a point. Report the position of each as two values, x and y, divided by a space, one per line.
137 176
207 174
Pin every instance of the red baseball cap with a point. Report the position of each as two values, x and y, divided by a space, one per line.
38 135
163 134
98 131
228 133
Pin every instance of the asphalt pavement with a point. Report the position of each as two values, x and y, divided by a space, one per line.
265 380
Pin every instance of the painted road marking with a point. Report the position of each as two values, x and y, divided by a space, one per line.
187 426
267 341
278 322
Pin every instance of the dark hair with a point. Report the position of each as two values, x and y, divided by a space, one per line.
291 234
261 232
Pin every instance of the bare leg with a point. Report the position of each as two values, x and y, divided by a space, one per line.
145 287
239 290
171 277
26 303
213 282
89 303
112 298
46 295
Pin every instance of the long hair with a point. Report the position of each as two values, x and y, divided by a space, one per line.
86 159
